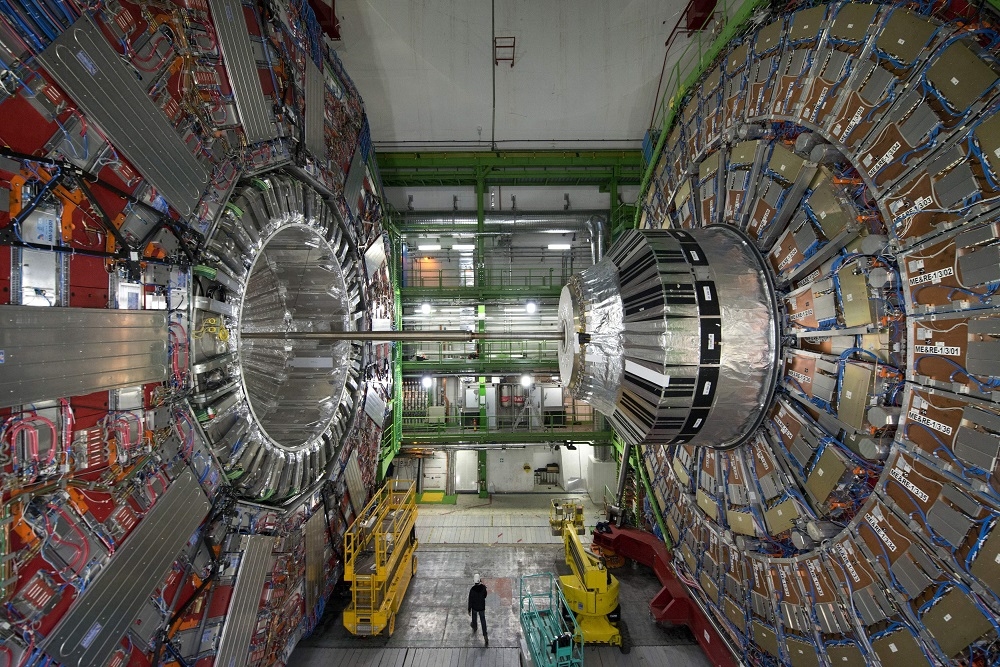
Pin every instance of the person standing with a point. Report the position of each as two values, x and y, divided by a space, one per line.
477 605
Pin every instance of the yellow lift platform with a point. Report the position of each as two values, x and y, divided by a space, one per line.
591 592
380 560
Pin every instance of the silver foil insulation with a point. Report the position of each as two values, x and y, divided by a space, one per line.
673 336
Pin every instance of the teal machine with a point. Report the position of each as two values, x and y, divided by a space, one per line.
553 636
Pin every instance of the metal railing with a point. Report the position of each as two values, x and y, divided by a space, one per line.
574 417
417 276
698 54
489 352
700 51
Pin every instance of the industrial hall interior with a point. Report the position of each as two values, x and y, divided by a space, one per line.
499 333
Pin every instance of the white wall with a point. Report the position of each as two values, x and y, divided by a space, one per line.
528 198
505 470
466 465
574 466
599 475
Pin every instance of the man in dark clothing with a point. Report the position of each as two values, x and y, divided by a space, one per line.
477 605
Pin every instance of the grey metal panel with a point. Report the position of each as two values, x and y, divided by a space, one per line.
877 85
824 306
824 386
920 122
976 236
50 353
960 500
982 266
950 524
987 420
802 450
315 92
90 71
241 619
805 236
93 627
768 486
738 494
830 618
772 193
355 484
985 325
760 604
234 39
795 617
734 587
909 576
983 357
315 548
923 561
797 61
835 64
866 605
977 448
958 185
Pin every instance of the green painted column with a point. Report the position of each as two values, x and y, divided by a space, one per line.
484 491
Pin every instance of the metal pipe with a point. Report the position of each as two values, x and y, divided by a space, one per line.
595 228
451 221
460 336
623 474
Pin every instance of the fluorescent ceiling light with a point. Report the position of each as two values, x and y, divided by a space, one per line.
464 246
429 246
559 246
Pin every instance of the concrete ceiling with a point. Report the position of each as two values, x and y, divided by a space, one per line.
585 72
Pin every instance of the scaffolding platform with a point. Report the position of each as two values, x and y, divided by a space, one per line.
551 632
380 559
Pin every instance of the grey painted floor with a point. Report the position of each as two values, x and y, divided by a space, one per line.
432 627
502 519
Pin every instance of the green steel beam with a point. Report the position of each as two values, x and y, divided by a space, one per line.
476 295
484 489
654 503
503 437
480 367
619 450
514 167
729 31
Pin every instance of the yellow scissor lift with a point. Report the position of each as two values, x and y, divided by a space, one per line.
379 558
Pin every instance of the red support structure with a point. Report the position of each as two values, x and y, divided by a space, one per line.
326 14
698 14
672 604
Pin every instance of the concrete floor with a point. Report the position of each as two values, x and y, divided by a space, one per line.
516 518
432 626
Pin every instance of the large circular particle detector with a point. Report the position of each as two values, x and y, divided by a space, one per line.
279 260
293 387
674 337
